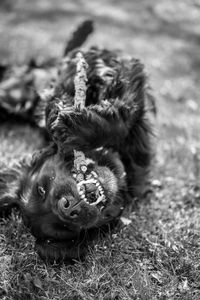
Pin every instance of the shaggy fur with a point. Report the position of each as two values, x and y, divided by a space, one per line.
112 130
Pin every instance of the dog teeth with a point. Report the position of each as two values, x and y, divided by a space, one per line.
92 178
100 189
123 175
86 182
88 176
94 174
100 199
104 199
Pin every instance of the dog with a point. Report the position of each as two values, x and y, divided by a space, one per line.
97 158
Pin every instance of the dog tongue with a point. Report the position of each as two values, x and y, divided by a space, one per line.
91 187
91 192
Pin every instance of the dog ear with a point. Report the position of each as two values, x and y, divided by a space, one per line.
10 181
9 184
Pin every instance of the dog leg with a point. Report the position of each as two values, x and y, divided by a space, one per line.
89 128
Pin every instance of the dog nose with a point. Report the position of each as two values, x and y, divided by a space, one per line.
70 207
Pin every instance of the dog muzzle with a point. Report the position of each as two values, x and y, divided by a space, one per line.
88 184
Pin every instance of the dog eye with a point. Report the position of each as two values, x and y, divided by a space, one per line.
41 191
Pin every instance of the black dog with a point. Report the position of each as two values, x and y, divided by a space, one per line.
111 136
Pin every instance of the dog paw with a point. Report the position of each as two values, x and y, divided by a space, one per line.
64 112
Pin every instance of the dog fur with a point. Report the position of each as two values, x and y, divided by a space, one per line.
113 130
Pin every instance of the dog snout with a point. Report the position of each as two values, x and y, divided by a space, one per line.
70 207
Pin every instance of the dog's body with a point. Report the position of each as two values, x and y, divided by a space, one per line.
113 133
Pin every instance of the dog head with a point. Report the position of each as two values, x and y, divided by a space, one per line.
58 203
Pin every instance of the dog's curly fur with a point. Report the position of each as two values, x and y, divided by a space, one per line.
112 130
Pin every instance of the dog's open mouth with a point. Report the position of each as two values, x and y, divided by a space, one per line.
87 180
89 188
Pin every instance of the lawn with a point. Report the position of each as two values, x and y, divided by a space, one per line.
156 256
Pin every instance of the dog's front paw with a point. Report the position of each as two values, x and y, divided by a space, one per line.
63 112
63 124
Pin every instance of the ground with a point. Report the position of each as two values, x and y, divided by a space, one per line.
157 255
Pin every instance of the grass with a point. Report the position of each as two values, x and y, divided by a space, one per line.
157 255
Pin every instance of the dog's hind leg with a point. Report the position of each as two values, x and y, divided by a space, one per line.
137 151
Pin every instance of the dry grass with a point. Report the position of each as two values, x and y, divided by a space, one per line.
157 255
